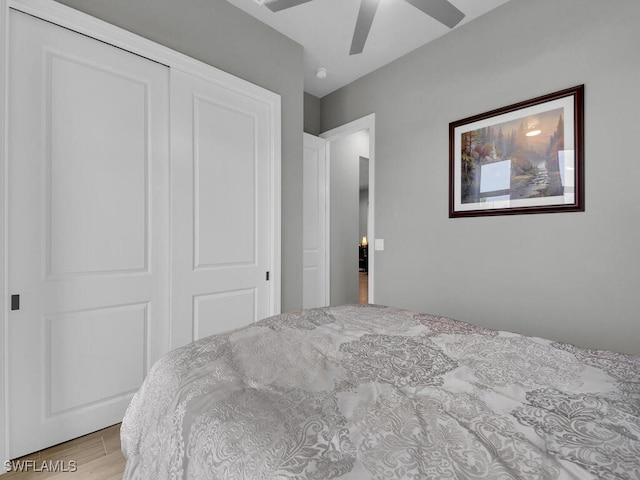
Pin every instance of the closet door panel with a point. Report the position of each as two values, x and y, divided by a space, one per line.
221 208
86 165
225 170
88 227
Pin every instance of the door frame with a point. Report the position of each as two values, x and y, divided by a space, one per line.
100 30
367 122
4 294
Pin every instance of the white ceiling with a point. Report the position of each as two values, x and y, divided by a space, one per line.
325 28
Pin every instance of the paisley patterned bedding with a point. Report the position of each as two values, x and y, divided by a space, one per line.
376 392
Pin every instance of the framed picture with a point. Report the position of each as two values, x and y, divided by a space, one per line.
524 158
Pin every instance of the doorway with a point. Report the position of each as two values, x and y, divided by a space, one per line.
351 179
349 256
363 245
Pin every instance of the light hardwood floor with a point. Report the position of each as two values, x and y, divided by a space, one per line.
363 290
97 456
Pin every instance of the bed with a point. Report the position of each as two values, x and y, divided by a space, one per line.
366 391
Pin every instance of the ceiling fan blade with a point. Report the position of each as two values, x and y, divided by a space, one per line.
442 10
278 5
363 25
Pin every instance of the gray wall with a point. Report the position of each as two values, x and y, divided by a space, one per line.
344 219
311 114
217 33
571 276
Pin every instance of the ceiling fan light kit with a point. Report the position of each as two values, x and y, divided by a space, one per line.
441 10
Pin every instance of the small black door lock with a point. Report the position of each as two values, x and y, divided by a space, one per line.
15 302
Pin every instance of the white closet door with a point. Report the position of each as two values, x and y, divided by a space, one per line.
221 208
88 230
314 188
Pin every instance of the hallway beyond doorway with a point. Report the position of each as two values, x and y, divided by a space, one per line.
363 287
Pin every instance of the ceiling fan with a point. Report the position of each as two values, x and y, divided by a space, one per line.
441 10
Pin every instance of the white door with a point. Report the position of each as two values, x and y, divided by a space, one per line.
314 276
221 208
87 230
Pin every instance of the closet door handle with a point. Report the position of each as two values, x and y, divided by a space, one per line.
15 302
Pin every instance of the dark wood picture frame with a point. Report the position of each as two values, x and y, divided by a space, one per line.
521 159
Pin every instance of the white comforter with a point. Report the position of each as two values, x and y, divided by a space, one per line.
375 392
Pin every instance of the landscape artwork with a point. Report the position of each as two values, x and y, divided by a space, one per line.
525 158
518 159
